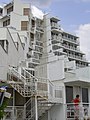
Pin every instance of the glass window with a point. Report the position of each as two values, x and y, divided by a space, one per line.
9 9
24 25
26 11
85 95
6 23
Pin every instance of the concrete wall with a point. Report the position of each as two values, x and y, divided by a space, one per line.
3 64
57 112
13 57
19 5
55 68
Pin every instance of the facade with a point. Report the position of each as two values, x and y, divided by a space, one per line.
42 65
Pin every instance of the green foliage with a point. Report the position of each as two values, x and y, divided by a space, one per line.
2 108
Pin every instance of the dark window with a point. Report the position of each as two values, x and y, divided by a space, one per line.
4 44
1 11
85 95
6 23
9 9
69 94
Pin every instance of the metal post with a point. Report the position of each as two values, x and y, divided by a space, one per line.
36 108
13 104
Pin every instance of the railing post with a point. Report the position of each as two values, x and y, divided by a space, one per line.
24 111
13 104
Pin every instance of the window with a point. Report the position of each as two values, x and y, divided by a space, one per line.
4 44
33 23
24 25
69 94
6 23
85 95
26 11
9 9
1 11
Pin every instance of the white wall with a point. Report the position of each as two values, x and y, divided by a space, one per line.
3 64
57 112
55 69
19 5
13 57
3 34
16 23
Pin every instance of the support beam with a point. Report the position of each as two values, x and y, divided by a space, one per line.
36 108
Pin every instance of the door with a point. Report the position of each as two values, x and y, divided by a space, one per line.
69 94
85 95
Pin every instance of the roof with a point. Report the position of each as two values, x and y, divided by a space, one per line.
55 18
37 12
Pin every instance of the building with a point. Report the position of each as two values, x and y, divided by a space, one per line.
42 65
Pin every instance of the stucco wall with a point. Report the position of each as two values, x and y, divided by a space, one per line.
13 57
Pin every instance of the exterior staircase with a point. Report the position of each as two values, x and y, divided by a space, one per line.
29 86
23 84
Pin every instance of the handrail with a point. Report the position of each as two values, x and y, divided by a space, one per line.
30 74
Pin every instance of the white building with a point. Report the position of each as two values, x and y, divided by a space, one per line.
42 65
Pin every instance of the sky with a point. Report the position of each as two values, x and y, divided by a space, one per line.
74 16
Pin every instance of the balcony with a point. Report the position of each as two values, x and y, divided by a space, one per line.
55 27
33 28
33 60
56 38
78 76
76 42
59 52
38 44
70 48
76 57
39 50
83 112
40 28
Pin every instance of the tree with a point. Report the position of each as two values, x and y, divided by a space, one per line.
2 108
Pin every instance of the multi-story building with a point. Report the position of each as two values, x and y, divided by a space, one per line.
42 65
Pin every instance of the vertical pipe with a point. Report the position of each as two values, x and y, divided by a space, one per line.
36 108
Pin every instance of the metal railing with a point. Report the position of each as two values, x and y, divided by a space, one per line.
14 113
79 112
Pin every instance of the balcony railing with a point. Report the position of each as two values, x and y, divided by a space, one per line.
79 112
71 40
77 57
14 112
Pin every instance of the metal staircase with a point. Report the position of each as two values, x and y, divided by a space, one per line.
23 84
30 109
29 86
43 107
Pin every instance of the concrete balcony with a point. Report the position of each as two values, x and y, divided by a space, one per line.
72 49
78 76
76 42
34 61
40 28
59 51
78 58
